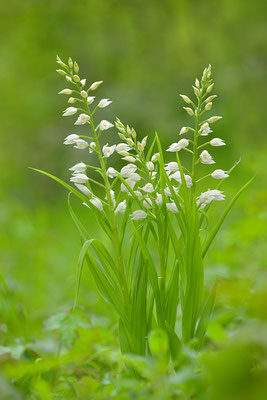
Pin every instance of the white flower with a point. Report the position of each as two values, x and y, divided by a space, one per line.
104 103
71 139
138 193
128 170
183 130
153 175
206 158
79 178
138 214
155 157
90 99
158 199
178 146
82 119
213 119
92 147
177 176
122 147
104 125
130 183
134 177
69 111
188 180
108 150
208 196
147 203
97 203
168 193
65 91
171 166
150 166
112 173
72 100
205 129
148 188
83 82
121 207
83 189
217 142
95 85
81 144
219 174
80 167
112 195
172 207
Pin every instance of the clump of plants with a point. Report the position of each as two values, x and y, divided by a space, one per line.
153 214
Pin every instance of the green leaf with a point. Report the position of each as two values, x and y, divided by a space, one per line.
222 218
172 297
206 313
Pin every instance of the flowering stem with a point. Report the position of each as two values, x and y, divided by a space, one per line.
195 152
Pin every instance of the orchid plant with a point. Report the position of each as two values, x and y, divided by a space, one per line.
146 205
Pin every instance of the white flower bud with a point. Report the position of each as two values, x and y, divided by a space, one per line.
112 173
144 142
208 106
72 100
185 98
206 158
60 62
97 203
95 85
209 89
61 72
172 207
84 94
129 141
189 111
129 159
122 147
76 68
197 83
84 189
140 146
183 130
83 82
92 147
196 91
65 91
76 78
158 199
90 99
178 146
213 119
70 62
210 98
80 167
68 78
133 133
147 203
71 139
69 111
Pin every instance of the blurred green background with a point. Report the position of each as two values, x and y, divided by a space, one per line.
146 52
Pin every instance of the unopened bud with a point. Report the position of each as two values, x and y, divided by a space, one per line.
129 159
189 111
144 141
68 78
76 68
70 62
185 98
133 133
72 100
61 72
124 153
210 87
65 91
196 91
208 106
121 135
83 82
150 166
140 146
84 94
61 63
210 98
197 83
129 141
183 130
76 78
214 119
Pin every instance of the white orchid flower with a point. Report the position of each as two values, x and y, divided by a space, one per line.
82 119
150 166
148 188
122 147
172 207
147 203
171 166
183 130
206 158
69 111
219 174
90 99
158 199
128 170
97 203
65 91
130 183
104 103
104 125
84 189
80 167
108 150
112 173
205 129
217 142
121 207
138 214
71 139
81 144
79 178
178 146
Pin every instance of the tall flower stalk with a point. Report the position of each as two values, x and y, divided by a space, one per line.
147 205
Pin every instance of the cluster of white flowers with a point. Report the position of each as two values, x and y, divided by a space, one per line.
140 178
